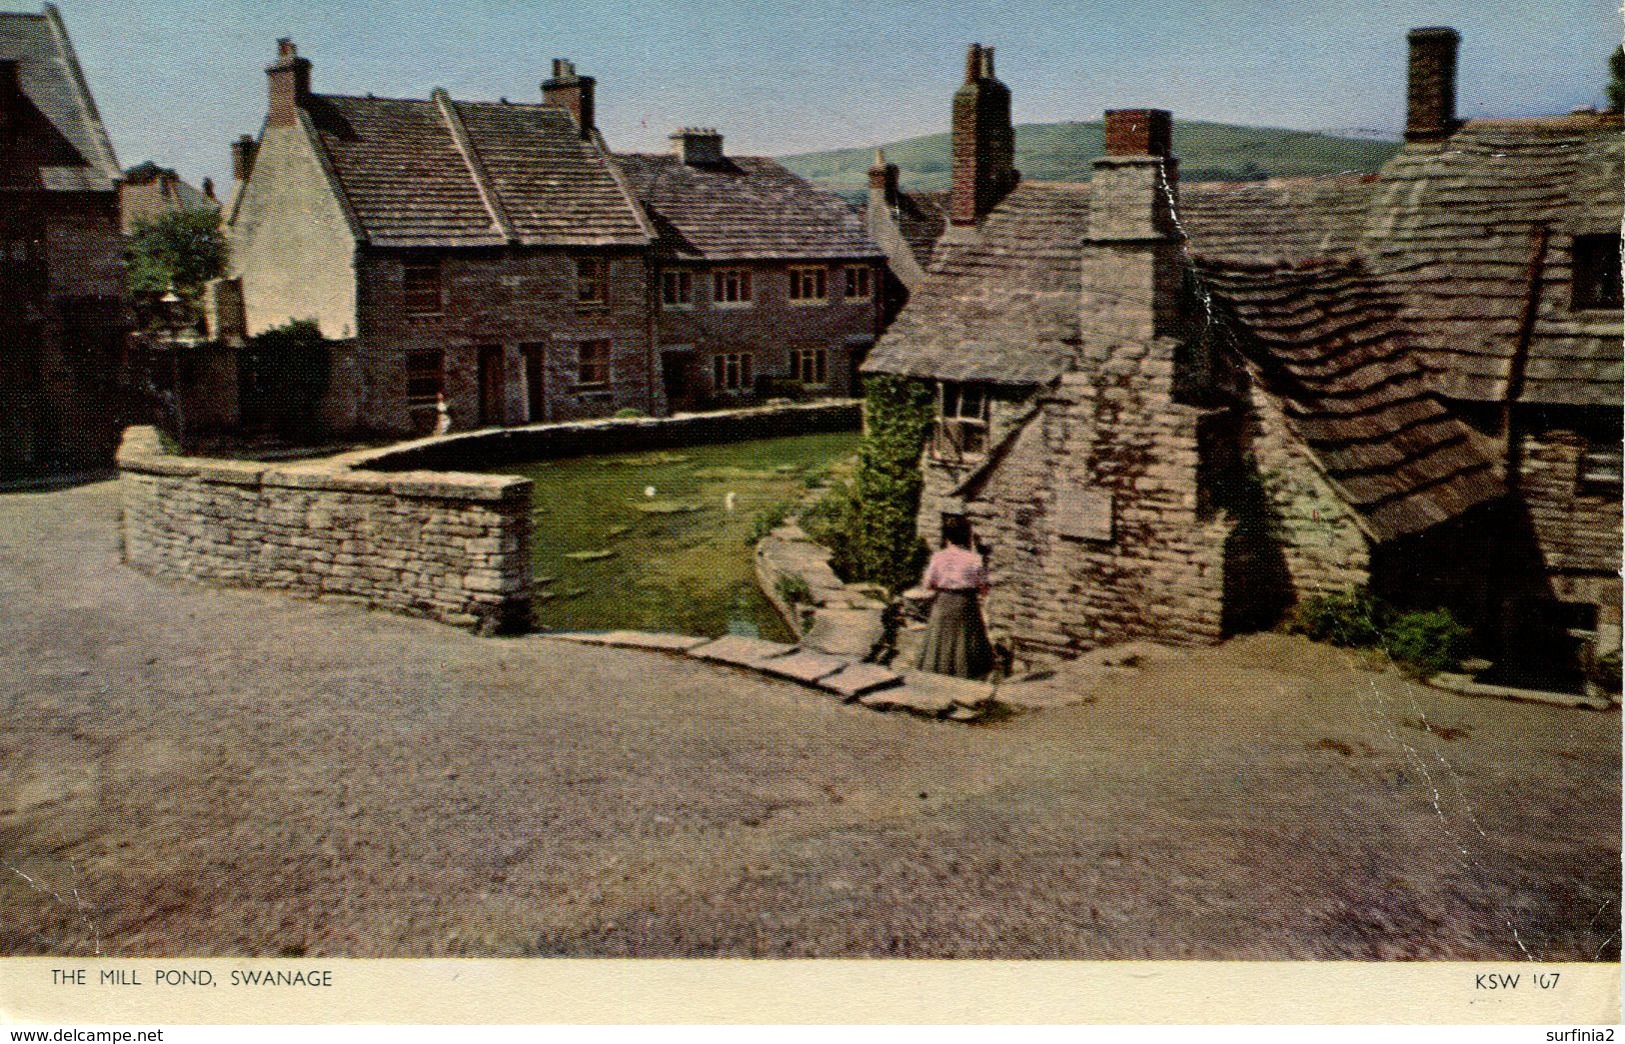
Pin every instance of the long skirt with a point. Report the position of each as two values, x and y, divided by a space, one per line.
955 640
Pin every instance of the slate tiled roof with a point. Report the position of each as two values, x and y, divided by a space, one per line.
1454 223
1332 342
744 208
50 77
445 173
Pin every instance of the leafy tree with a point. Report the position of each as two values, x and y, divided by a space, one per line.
180 251
1616 79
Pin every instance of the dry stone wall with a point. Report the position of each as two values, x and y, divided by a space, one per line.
450 547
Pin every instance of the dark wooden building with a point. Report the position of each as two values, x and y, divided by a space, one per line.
61 258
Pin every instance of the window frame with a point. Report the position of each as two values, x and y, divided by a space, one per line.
1594 273
813 360
592 282
425 400
1600 468
817 276
860 274
595 373
416 288
740 281
680 280
963 422
741 365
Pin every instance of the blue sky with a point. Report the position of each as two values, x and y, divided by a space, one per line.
176 80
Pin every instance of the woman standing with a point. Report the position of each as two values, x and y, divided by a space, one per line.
955 639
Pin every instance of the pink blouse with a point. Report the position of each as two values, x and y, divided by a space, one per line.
955 569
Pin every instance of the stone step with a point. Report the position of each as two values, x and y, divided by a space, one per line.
805 666
860 679
739 651
935 694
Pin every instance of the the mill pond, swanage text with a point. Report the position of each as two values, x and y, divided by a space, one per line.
659 540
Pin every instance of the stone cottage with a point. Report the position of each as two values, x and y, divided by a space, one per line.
485 252
497 254
61 258
763 284
1172 412
149 191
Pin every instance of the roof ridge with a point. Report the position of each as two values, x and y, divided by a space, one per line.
98 131
476 167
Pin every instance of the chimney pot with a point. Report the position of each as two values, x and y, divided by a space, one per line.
697 146
290 85
243 151
1139 132
208 187
984 142
1430 97
575 94
883 181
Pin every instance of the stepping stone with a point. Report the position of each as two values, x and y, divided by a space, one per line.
860 679
739 651
653 640
805 666
928 693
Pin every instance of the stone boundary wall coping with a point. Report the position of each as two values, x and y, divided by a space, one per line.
489 446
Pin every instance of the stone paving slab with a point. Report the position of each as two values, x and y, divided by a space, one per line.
805 666
739 651
859 679
944 691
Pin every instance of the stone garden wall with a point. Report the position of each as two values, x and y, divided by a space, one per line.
451 547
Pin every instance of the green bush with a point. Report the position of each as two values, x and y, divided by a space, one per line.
767 520
794 589
1422 642
898 414
1425 643
284 374
1352 619
628 413
832 520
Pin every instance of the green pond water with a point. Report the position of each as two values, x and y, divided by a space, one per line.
610 555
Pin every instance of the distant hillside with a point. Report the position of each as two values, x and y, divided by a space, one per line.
1064 151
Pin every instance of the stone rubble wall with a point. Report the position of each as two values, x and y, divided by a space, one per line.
833 617
450 547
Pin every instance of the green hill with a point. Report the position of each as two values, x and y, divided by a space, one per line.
1064 151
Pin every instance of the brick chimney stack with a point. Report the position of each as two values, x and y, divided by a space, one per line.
11 98
1430 99
290 85
883 181
1133 262
984 142
697 146
243 151
571 92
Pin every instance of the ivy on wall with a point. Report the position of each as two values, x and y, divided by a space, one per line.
869 524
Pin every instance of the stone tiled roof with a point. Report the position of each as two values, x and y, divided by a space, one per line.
50 77
1450 225
922 217
744 208
447 173
1002 307
1282 219
1455 222
1332 343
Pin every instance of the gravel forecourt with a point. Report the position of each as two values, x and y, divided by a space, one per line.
187 771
